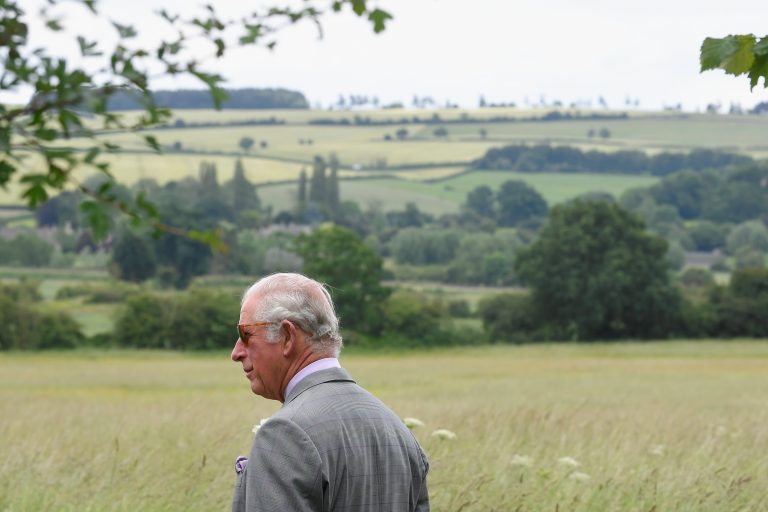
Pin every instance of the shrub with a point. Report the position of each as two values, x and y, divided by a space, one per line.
509 317
199 319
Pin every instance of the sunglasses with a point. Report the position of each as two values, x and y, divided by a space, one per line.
244 335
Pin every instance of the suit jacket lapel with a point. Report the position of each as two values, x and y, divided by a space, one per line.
320 377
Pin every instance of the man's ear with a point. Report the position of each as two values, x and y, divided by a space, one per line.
290 337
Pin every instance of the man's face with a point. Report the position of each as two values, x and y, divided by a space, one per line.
263 362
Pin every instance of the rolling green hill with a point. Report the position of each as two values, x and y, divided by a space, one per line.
296 138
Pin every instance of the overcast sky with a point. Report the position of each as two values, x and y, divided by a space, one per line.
507 50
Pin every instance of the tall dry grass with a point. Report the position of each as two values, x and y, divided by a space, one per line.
660 426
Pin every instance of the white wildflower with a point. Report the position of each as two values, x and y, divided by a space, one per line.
443 433
259 425
657 450
413 422
521 460
568 462
579 476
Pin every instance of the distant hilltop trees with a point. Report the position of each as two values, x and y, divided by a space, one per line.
199 98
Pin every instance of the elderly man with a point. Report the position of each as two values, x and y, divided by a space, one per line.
332 445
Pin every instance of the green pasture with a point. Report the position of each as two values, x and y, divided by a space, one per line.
623 427
363 149
736 133
359 146
447 195
296 116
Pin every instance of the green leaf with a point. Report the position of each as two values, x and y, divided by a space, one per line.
54 25
167 17
46 134
36 193
88 49
218 94
5 139
91 5
741 59
209 238
253 32
220 46
732 54
91 155
761 47
358 6
97 217
379 19
151 141
6 171
125 31
336 6
711 53
759 69
145 205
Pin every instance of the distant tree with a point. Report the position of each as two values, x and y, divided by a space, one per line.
482 258
605 133
264 144
419 246
25 249
211 200
480 201
508 317
697 278
332 185
133 258
519 202
246 143
483 133
411 217
595 273
441 132
402 133
301 197
708 236
414 319
243 192
27 327
336 256
60 210
317 184
740 307
752 235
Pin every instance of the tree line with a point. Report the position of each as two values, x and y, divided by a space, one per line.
567 159
248 98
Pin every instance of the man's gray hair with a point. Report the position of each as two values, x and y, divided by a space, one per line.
303 301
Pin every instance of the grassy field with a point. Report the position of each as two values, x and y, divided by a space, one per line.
447 195
647 426
360 148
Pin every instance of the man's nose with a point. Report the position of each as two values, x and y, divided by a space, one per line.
239 351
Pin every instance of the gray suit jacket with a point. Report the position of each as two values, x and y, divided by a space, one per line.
333 447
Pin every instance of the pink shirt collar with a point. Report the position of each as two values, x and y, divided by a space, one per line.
320 364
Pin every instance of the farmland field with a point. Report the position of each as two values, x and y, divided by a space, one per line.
280 151
446 196
644 426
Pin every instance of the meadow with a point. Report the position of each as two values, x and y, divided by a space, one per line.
447 194
631 426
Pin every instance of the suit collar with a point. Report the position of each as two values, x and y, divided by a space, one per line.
320 377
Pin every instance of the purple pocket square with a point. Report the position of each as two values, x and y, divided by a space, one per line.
240 464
